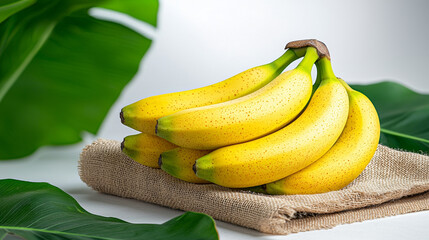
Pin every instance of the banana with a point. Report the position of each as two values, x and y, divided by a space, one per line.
345 161
145 148
142 115
178 162
246 118
287 150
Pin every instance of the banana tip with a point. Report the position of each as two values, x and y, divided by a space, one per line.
194 167
122 145
160 160
156 127
121 115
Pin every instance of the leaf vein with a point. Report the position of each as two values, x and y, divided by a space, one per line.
399 134
37 230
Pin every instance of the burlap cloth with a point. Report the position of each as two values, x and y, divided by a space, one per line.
394 183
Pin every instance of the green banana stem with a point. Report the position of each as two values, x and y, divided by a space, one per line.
310 57
318 78
284 60
325 69
299 52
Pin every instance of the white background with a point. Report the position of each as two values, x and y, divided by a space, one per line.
197 43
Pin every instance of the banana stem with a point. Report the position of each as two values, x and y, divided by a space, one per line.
299 52
318 77
325 68
310 57
284 60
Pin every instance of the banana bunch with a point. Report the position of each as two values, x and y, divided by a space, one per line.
262 130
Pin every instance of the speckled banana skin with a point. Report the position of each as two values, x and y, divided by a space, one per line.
345 161
142 115
286 151
246 118
145 148
178 162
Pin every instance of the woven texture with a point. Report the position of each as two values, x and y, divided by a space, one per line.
393 183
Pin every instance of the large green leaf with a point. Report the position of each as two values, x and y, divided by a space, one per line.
23 34
404 115
144 10
61 72
10 7
41 211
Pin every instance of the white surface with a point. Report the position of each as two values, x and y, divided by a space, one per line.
201 42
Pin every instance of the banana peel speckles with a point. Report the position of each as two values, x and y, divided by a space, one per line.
345 161
142 115
145 148
178 162
286 151
245 118
249 138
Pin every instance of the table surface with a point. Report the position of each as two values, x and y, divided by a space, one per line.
59 167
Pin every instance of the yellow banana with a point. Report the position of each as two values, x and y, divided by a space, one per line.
345 161
178 162
246 118
145 148
142 115
286 151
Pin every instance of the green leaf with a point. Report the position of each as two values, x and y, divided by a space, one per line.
404 115
10 7
41 211
61 72
145 11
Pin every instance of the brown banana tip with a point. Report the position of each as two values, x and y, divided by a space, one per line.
194 167
160 160
156 127
122 145
322 49
121 115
